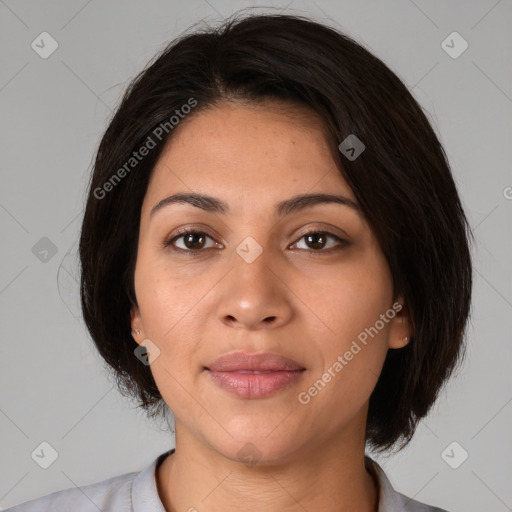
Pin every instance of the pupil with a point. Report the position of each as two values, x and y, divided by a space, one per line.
316 244
189 240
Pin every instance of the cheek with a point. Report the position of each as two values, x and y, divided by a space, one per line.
349 333
173 318
348 298
167 300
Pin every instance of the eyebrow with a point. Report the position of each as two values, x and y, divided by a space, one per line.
291 205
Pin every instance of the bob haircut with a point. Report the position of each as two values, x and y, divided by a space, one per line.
402 182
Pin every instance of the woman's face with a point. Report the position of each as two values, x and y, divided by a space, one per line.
257 284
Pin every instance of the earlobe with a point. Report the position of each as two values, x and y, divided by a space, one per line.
401 327
400 343
136 325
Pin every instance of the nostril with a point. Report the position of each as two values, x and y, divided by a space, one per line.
230 320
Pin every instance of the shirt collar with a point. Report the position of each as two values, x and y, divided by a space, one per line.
389 499
144 490
145 494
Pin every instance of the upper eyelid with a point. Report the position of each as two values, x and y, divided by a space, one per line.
342 241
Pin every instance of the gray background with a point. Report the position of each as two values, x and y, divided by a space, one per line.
54 110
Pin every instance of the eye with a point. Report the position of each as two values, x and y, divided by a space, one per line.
192 240
318 241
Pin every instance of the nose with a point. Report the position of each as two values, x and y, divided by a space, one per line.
254 295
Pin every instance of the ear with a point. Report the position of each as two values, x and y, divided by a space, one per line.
400 331
136 324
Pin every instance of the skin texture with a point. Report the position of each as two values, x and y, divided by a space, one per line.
293 299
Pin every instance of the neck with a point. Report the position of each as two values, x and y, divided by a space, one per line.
323 478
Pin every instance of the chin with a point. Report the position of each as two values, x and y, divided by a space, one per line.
257 450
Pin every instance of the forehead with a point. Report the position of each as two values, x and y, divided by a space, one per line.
247 152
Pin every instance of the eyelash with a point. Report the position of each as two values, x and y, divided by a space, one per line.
181 233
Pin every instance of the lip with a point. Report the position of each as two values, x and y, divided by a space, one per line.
267 361
253 376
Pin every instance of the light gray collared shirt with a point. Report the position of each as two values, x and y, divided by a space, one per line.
137 492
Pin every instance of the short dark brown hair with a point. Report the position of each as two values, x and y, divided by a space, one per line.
402 182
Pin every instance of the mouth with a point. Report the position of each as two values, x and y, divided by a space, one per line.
251 376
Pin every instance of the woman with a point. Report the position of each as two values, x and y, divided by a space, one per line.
274 249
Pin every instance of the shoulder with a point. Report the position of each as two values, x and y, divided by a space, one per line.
391 500
410 505
130 492
113 494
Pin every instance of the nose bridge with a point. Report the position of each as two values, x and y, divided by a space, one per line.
252 292
252 265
